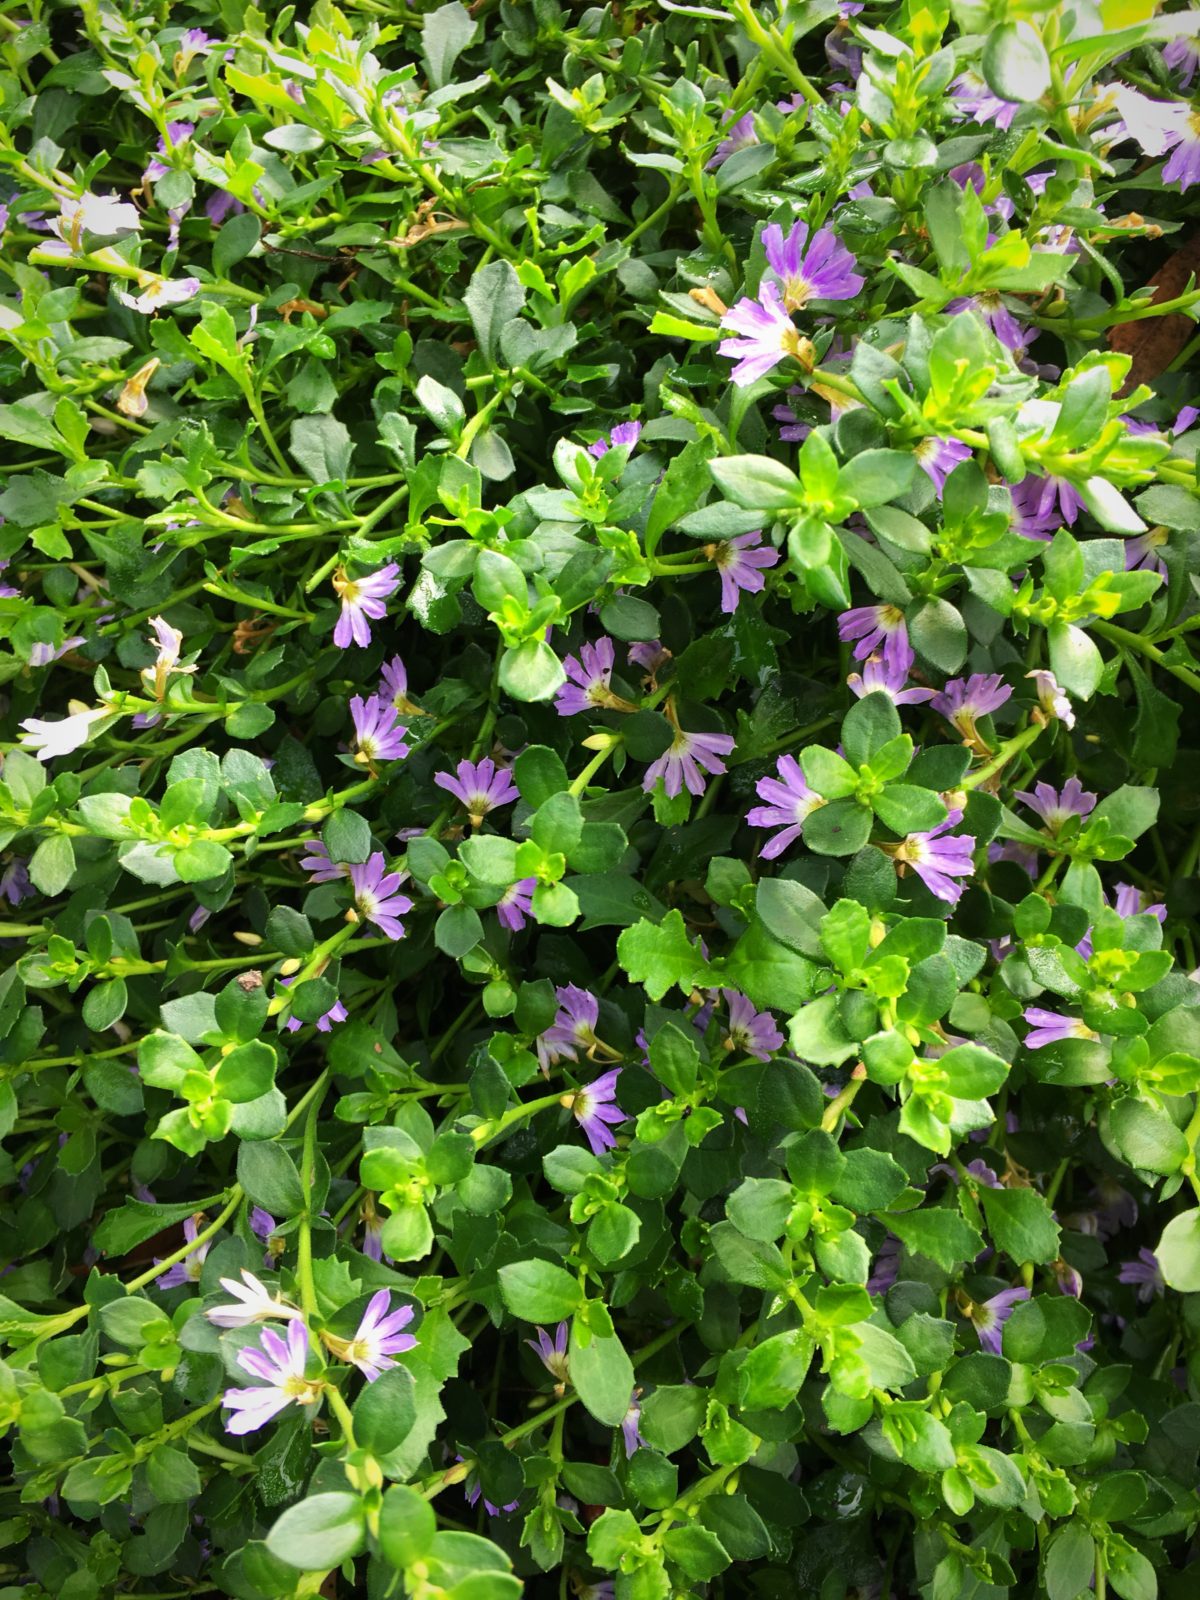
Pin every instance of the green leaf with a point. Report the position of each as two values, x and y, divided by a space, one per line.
494 295
531 671
323 447
1178 1252
942 1235
601 1373
869 724
537 1291
385 1411
661 956
1015 64
758 482
138 1220
1145 1137
407 1522
1021 1224
52 864
874 477
320 1532
268 1175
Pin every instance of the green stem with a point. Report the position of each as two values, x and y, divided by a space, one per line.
308 1161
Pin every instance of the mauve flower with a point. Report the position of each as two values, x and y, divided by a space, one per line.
978 1169
7 592
281 1366
752 1032
1158 126
883 676
625 433
377 897
1056 808
1053 1027
262 1223
552 1353
362 598
1042 505
41 655
589 686
573 1028
1069 1278
937 458
480 786
378 731
515 904
473 1489
964 700
686 759
595 1109
789 801
973 98
252 1302
393 684
1146 1273
765 334
820 268
990 1316
630 1429
1052 697
379 1337
938 860
15 882
188 1270
876 630
740 562
195 42
318 865
739 135
650 655
178 133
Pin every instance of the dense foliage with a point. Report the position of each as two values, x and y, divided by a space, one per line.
599 807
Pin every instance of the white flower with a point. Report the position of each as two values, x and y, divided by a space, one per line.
1052 697
48 740
159 292
254 1302
1156 125
102 214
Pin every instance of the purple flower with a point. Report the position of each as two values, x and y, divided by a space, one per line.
262 1223
596 1110
472 1489
1142 551
1042 505
1182 56
789 801
1146 1273
750 1031
158 292
625 433
686 759
739 135
650 655
590 687
938 860
318 864
989 1317
937 458
964 700
740 561
41 655
630 1430
281 1366
393 684
15 882
1069 1278
817 269
1129 903
1158 126
515 904
378 732
336 1013
883 676
876 630
552 1353
7 592
377 897
480 786
975 100
573 1028
1052 697
187 1271
1053 1027
195 42
766 333
886 1267
990 306
1055 808
378 1338
362 598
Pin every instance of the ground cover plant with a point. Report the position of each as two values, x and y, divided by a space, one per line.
599 824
